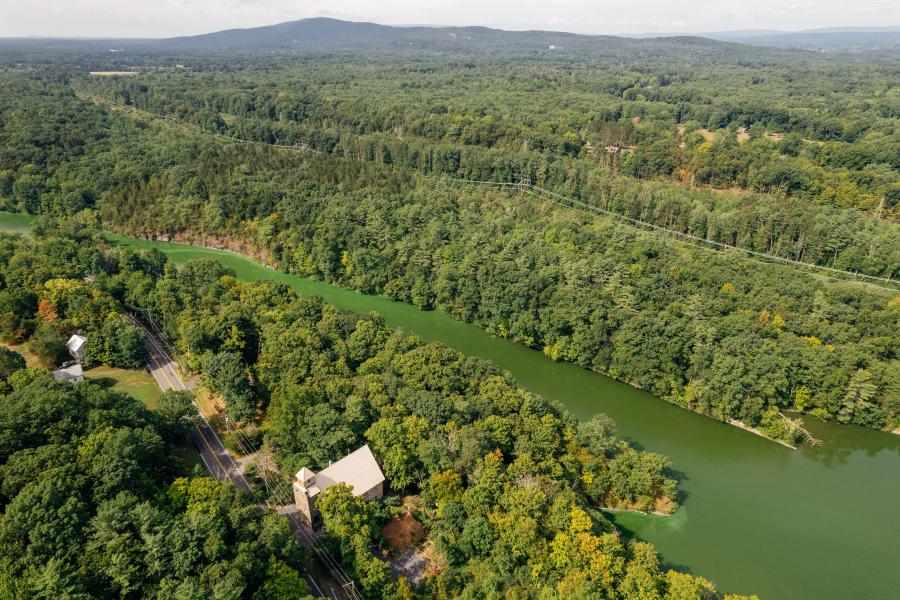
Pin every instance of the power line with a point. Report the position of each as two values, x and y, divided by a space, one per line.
179 121
550 195
572 203
272 488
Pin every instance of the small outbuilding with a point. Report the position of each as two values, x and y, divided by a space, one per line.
71 374
359 470
76 347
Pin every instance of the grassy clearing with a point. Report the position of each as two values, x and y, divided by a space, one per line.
211 407
208 403
15 222
114 73
142 386
139 384
708 135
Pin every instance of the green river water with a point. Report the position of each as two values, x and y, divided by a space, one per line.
756 517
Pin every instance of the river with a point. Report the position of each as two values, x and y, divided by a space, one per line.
756 517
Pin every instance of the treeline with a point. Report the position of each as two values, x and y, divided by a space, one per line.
712 332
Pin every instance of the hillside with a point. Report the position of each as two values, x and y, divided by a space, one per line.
236 48
333 35
324 35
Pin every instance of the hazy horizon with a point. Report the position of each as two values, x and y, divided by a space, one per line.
170 18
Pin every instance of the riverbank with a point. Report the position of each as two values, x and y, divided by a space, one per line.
662 507
244 249
655 513
262 256
222 244
747 505
741 425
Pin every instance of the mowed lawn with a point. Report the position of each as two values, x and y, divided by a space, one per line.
142 385
139 384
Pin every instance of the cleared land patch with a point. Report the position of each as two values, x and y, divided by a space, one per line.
139 384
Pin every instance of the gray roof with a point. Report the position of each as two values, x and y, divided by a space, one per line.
71 373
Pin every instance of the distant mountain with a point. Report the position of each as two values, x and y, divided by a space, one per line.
328 36
332 35
832 38
302 33
322 33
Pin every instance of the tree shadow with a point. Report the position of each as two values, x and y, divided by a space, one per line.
680 477
104 382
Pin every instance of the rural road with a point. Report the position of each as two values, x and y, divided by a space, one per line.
221 466
216 460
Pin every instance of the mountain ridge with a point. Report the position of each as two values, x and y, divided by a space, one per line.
329 32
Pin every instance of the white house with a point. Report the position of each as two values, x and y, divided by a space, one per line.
359 470
71 374
76 347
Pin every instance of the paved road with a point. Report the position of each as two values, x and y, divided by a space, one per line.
217 461
221 466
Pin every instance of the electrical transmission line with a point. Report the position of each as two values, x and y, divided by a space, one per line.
556 198
697 241
274 486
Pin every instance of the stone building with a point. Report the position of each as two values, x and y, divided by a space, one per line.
359 470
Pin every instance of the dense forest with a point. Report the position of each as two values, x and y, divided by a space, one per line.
713 332
726 126
809 175
65 305
362 155
510 485
95 499
93 506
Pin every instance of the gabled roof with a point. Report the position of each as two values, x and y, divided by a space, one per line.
358 469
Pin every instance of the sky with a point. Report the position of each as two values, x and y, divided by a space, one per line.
165 18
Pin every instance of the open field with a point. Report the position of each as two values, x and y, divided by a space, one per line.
15 222
139 384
